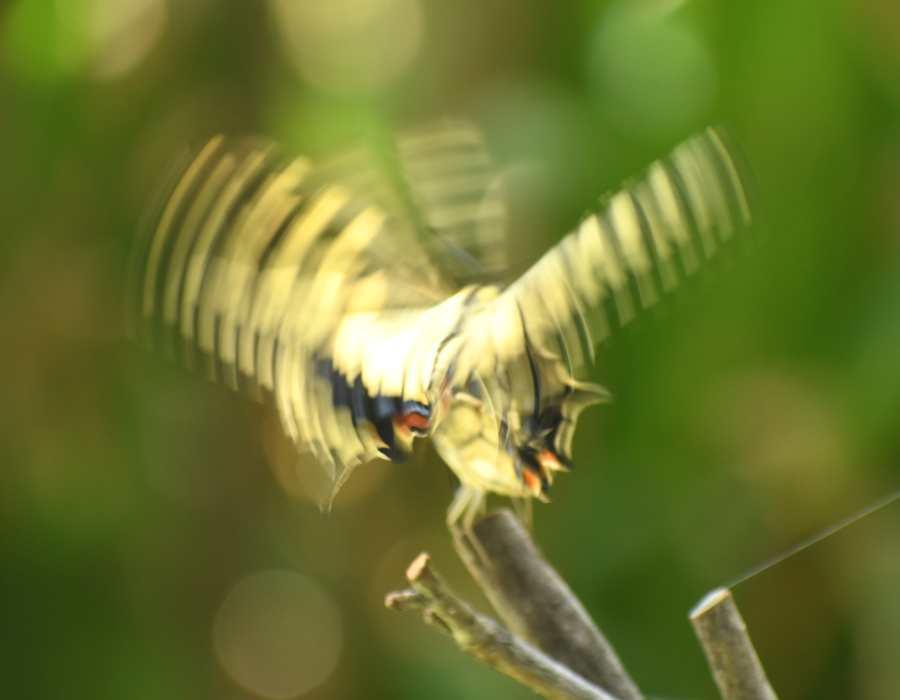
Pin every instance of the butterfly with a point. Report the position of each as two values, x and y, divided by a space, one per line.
362 300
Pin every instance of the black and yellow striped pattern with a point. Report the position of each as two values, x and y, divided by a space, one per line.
355 303
640 244
526 344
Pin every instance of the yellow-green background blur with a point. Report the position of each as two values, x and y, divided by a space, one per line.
152 543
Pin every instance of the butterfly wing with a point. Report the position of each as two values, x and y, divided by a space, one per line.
248 271
458 195
536 335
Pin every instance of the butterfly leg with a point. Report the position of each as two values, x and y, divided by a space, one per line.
467 505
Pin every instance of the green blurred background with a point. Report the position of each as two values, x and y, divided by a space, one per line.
153 543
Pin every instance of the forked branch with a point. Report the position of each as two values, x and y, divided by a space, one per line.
554 647
536 603
487 640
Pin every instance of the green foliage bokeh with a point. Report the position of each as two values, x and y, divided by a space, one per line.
757 408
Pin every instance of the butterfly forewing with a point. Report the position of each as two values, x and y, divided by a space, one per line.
643 241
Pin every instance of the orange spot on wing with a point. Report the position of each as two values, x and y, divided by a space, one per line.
532 481
415 421
549 460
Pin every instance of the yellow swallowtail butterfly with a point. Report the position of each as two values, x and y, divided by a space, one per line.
361 305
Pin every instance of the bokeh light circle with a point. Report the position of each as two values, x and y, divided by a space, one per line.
349 46
650 70
278 634
102 39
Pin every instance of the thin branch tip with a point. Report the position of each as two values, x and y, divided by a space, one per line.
711 600
404 600
722 632
414 570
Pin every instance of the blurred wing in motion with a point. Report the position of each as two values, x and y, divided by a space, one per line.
643 241
440 178
251 269
527 344
457 192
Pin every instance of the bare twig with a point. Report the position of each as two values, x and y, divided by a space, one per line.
536 603
732 658
487 640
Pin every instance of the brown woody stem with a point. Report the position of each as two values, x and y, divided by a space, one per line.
537 604
487 640
726 643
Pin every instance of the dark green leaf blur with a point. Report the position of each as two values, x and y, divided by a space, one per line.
153 542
